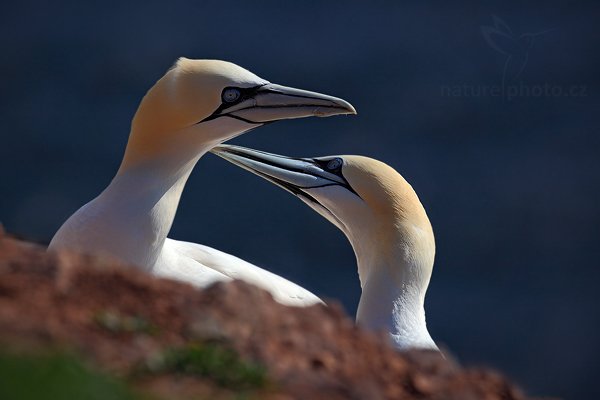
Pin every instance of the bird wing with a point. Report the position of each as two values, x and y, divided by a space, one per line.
231 267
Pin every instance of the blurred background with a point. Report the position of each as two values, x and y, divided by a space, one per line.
490 109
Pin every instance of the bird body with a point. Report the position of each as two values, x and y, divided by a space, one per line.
194 107
384 221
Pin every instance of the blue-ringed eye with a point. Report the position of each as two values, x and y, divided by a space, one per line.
230 95
334 164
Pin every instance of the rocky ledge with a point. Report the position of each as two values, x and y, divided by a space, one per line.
154 338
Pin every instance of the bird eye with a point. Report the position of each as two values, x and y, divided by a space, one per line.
334 164
230 95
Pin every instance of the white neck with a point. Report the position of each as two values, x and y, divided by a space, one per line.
393 294
138 207
131 218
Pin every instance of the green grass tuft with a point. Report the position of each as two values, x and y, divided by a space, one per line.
56 376
119 323
215 362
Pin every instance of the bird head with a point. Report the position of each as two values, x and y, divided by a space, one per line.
200 103
369 201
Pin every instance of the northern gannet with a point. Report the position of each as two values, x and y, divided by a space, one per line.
195 106
382 217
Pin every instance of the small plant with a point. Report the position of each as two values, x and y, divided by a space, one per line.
118 323
215 362
56 376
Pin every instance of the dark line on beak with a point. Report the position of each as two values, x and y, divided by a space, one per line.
269 90
262 161
345 185
240 119
296 191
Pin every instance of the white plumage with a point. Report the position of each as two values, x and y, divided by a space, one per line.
197 105
383 219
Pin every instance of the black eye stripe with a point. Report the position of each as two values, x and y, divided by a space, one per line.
245 94
326 164
323 164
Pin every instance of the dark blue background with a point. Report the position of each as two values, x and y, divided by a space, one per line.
511 185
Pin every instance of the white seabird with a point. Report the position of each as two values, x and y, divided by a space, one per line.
382 217
195 106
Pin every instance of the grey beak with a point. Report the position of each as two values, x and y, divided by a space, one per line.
273 102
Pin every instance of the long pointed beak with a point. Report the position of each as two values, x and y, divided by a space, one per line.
292 174
296 175
273 102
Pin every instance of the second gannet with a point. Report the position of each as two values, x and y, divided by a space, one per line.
196 105
382 217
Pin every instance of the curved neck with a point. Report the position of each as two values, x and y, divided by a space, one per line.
139 206
393 295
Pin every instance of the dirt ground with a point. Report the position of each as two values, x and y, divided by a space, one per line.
122 321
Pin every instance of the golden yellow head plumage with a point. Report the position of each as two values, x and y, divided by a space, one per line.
188 93
200 103
367 199
385 191
383 219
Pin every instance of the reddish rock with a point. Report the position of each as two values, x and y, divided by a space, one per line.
311 353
